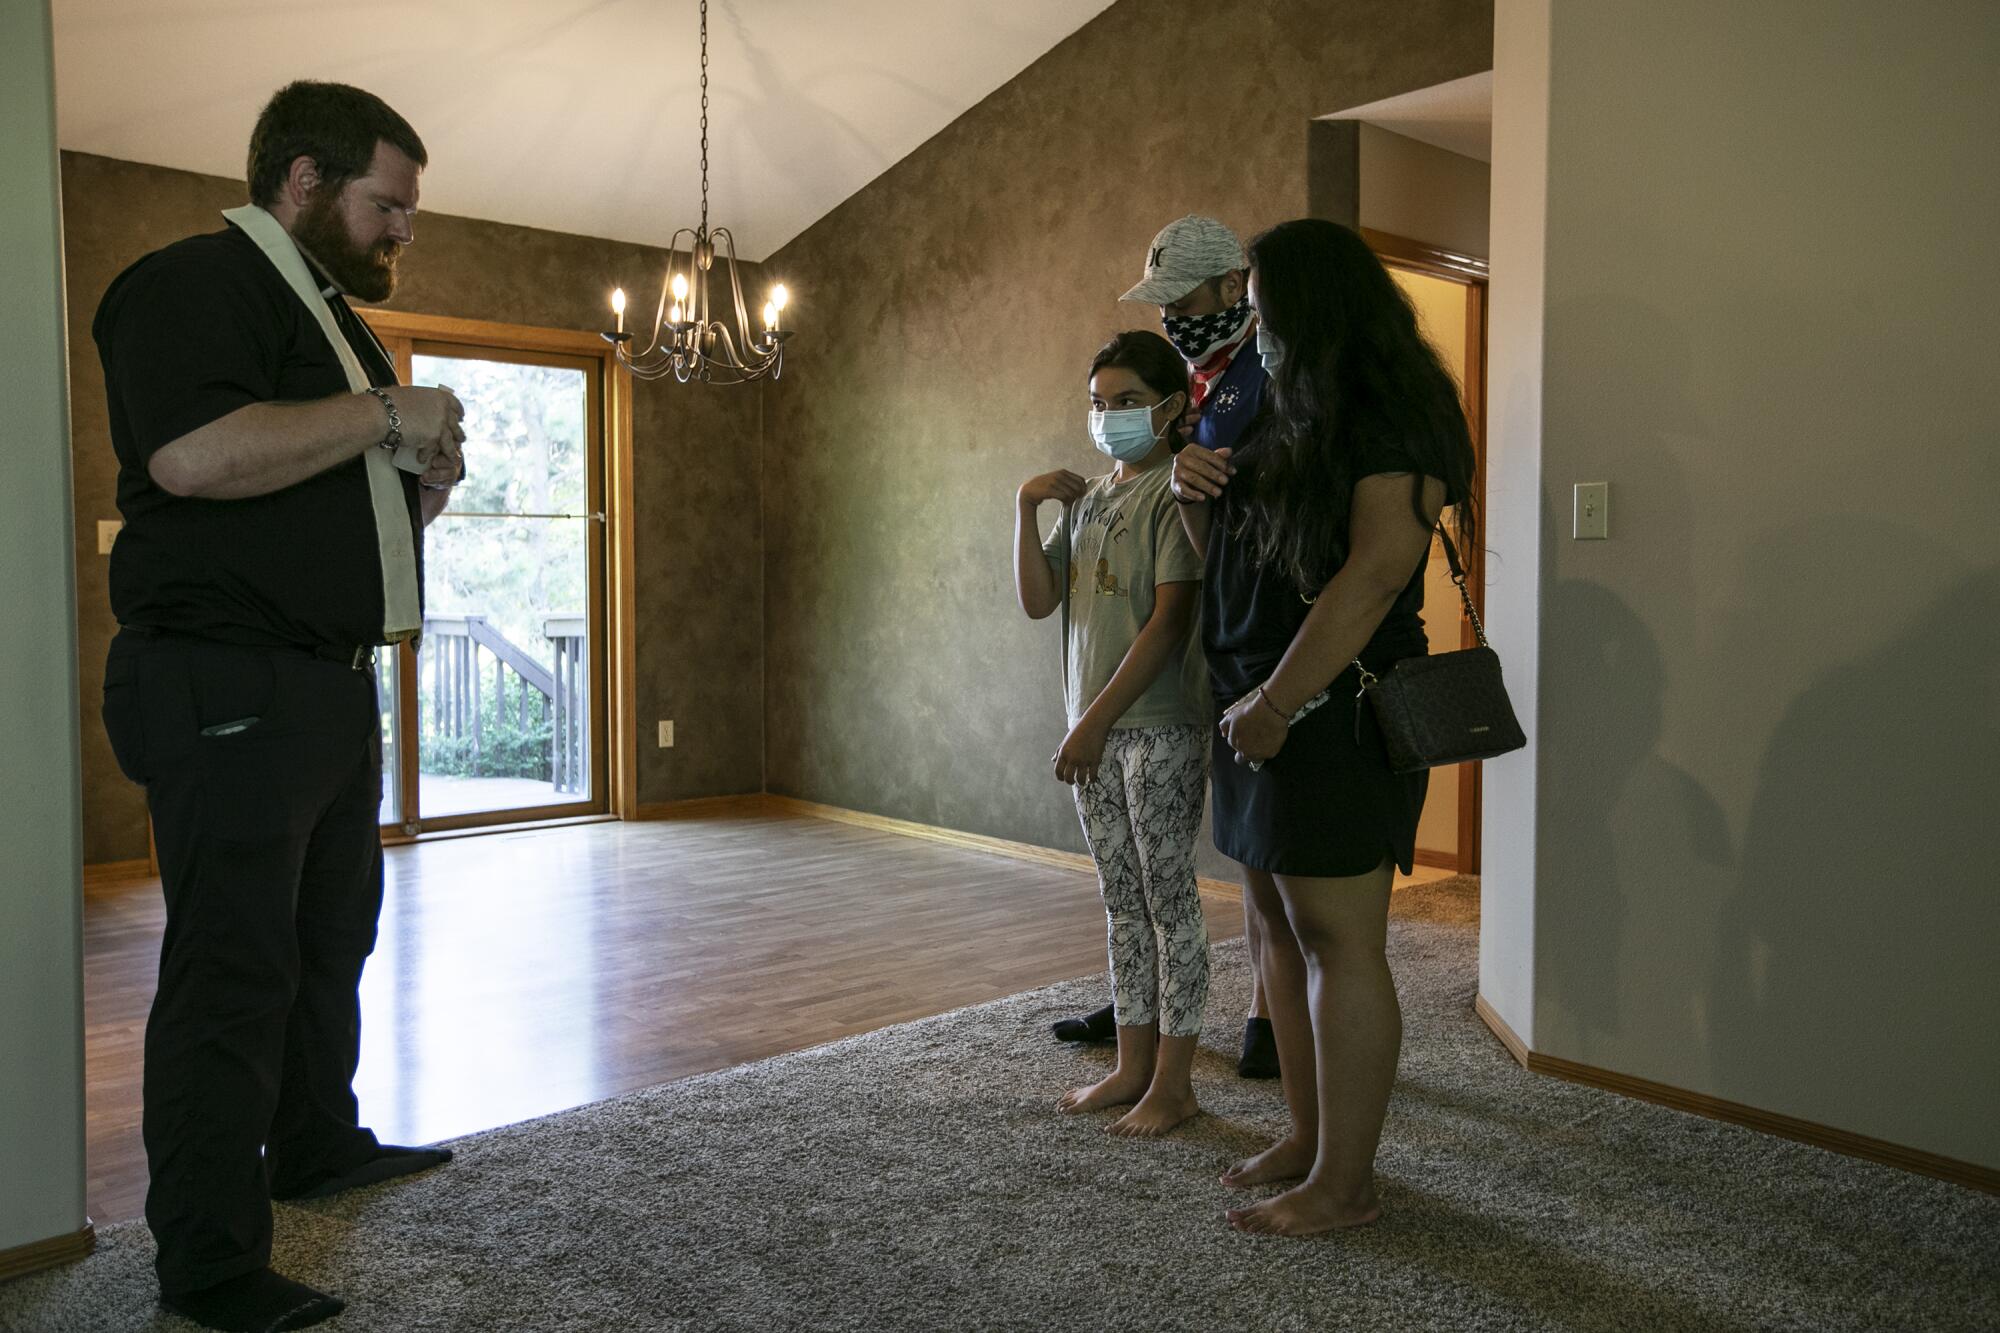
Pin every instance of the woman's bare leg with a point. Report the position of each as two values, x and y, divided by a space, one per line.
1253 938
1284 974
1341 927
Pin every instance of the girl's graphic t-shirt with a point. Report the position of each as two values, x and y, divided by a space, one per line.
1122 541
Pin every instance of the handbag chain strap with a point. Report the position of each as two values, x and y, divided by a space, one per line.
1368 678
1464 594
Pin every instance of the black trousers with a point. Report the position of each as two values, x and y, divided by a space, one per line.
263 769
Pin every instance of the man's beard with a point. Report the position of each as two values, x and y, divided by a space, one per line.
368 275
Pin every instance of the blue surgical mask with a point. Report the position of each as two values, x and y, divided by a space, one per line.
1126 433
1268 350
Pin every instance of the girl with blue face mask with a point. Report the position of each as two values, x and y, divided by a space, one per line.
1136 696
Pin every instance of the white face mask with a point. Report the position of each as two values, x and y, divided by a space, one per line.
1268 350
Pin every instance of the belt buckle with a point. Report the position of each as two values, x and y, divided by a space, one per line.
364 657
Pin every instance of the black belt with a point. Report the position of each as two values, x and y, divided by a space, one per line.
355 657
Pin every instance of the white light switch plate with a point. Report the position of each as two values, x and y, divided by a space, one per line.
107 533
666 735
1593 510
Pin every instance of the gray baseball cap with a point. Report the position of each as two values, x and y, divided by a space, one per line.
1184 255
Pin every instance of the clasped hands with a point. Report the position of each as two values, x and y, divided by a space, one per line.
434 425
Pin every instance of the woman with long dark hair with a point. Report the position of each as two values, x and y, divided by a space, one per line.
1315 532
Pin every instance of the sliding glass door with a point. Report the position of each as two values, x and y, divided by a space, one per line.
498 715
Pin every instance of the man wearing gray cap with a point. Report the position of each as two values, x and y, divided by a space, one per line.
1198 276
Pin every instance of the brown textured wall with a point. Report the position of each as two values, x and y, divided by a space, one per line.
952 307
698 543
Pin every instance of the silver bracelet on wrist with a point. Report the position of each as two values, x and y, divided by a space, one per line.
394 439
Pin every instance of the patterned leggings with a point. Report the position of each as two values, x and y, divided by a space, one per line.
1141 814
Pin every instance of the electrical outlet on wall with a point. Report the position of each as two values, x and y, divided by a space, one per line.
666 735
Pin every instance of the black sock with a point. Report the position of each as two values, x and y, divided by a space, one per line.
1099 1025
1260 1050
259 1302
386 1163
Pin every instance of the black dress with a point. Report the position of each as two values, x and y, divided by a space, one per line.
1327 804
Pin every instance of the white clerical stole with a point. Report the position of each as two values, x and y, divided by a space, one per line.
402 614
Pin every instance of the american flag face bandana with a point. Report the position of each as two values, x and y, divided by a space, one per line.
1196 337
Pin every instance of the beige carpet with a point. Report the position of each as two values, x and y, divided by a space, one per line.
916 1178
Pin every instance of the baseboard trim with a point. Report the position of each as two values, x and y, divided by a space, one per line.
56 1250
1968 1174
706 807
1505 1032
1423 856
972 842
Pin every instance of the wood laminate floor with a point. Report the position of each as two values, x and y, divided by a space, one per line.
525 973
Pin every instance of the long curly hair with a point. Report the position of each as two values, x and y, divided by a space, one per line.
1356 371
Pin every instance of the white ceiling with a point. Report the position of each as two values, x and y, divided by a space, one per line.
1455 116
575 115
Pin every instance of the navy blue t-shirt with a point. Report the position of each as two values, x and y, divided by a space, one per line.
1232 400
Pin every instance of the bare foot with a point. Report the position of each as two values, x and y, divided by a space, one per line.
1120 1089
1307 1210
1157 1113
1287 1159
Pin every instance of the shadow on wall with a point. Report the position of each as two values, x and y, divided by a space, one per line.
1634 817
1643 859
1861 932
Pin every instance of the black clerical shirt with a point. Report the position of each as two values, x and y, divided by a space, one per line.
188 335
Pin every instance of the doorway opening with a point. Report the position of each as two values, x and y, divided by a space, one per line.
1412 174
1449 293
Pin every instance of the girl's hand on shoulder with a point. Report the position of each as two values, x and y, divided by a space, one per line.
1253 729
1062 484
1200 474
1082 751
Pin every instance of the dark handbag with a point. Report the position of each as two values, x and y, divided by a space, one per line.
1443 709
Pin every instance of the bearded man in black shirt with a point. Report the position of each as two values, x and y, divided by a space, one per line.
275 482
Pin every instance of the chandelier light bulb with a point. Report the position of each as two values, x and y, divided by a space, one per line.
674 315
680 288
618 306
779 296
770 314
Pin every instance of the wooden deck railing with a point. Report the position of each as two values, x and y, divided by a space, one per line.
559 697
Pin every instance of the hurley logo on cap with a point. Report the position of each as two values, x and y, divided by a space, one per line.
1185 253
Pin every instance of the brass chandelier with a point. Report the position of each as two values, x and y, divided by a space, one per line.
688 341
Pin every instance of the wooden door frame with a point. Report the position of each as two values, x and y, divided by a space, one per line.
620 699
1472 273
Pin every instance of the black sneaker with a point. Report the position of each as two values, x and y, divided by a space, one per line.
1101 1025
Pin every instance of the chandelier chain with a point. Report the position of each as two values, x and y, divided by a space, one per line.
700 345
704 117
